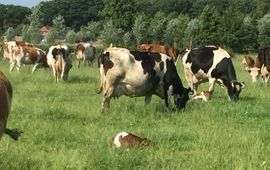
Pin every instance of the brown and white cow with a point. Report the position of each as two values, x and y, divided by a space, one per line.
9 45
126 139
172 52
248 62
5 105
59 60
85 52
135 74
22 54
261 66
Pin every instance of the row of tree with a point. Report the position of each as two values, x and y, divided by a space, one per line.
242 25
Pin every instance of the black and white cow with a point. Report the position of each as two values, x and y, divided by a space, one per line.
60 61
135 74
211 64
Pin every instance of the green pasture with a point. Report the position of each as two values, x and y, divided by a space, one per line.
64 129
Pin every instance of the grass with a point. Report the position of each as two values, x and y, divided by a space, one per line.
63 127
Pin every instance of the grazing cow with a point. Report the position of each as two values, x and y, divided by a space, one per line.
60 61
211 63
261 66
125 139
5 104
204 96
85 52
27 55
172 52
248 62
135 73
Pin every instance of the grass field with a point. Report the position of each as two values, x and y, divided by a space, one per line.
63 127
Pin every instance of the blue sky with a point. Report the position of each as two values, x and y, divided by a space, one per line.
26 3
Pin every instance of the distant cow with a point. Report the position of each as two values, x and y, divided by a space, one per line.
172 52
5 104
59 60
248 62
28 55
135 73
261 66
211 64
9 45
85 52
126 139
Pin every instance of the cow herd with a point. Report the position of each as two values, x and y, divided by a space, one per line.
149 70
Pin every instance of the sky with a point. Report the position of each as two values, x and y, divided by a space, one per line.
25 3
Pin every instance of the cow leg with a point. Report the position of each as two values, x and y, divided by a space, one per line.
166 97
18 65
12 65
37 65
211 84
147 99
107 95
78 63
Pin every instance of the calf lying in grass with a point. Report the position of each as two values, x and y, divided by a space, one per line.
5 104
125 139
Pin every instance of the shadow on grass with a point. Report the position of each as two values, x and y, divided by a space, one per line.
82 79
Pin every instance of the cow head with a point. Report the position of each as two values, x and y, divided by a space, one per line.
180 101
234 89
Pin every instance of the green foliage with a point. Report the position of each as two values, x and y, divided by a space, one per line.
34 19
71 37
59 25
10 34
111 34
209 22
119 12
191 32
50 37
157 27
128 40
264 31
139 29
26 35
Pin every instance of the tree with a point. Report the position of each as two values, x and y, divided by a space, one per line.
50 37
127 40
120 12
139 29
26 36
111 34
10 34
34 19
191 32
71 37
264 31
248 35
157 27
209 23
59 27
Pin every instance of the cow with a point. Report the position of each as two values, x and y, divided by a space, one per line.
59 60
28 55
9 45
126 139
210 63
248 62
85 52
261 66
172 52
135 74
5 105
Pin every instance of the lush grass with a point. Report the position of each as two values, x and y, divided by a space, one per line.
63 127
